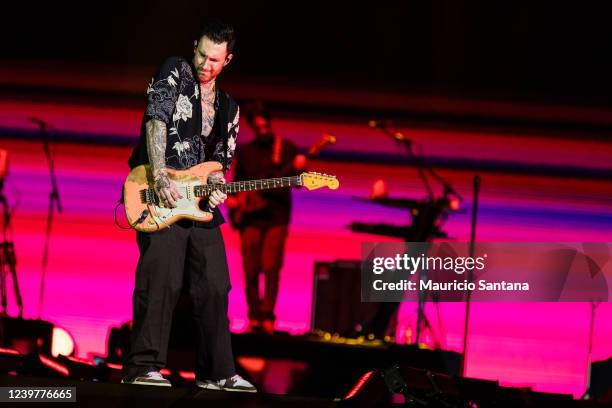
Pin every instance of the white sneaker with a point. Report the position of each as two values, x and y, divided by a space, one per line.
209 385
150 378
235 383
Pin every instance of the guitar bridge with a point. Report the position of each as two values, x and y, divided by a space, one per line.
148 196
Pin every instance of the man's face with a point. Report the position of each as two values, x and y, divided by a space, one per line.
261 127
209 58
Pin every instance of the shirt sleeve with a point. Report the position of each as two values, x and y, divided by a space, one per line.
233 128
162 92
232 137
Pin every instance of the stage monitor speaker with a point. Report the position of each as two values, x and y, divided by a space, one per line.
26 336
10 360
118 344
424 388
601 381
336 297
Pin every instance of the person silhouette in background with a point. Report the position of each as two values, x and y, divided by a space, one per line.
263 217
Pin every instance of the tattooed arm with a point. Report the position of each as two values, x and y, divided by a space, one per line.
156 148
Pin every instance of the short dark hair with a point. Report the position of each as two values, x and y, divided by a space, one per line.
256 108
219 32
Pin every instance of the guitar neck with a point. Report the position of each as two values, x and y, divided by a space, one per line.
205 190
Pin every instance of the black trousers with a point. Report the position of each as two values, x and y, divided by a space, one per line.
166 257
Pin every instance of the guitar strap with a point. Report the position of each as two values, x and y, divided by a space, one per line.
276 150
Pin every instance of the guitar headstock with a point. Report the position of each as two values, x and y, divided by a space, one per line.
325 140
312 181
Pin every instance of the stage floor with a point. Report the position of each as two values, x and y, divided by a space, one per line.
104 395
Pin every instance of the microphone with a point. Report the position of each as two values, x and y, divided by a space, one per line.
385 126
400 137
379 124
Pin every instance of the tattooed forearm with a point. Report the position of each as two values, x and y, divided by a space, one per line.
216 177
156 147
156 144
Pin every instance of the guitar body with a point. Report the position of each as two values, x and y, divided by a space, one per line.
248 202
148 215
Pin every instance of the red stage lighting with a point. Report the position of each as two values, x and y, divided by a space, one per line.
3 164
54 365
454 204
360 384
379 190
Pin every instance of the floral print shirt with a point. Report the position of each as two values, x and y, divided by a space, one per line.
173 97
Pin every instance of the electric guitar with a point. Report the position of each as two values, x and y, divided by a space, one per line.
146 213
253 201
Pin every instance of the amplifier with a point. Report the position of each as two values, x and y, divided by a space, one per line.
336 297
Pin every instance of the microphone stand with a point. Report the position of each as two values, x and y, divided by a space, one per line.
470 274
422 168
588 392
54 202
421 165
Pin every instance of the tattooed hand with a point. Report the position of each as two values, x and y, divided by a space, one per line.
217 197
166 189
216 177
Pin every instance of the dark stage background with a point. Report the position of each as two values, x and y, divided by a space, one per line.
555 51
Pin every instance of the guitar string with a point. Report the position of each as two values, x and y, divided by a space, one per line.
239 186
